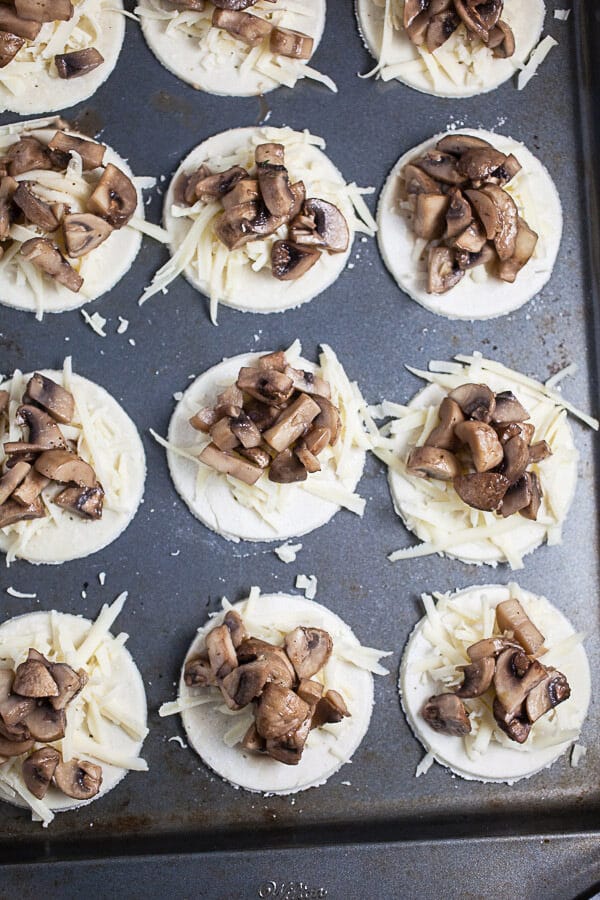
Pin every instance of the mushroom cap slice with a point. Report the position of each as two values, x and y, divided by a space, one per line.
479 163
78 778
330 709
14 748
442 271
236 626
84 232
308 650
32 679
279 711
38 770
10 44
11 512
517 497
446 713
273 179
43 430
44 10
486 449
516 458
230 464
440 166
459 214
62 465
36 211
429 221
416 181
502 40
86 502
91 152
69 683
440 28
505 238
554 689
14 709
198 673
11 479
114 197
55 399
47 257
12 23
442 436
30 489
477 678
245 683
432 462
77 62
510 685
508 409
514 725
457 144
266 385
221 652
482 490
45 723
290 261
286 468
525 244
477 401
331 225
233 4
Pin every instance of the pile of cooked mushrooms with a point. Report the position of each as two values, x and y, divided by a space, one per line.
521 688
430 23
46 456
278 681
274 418
256 206
33 704
21 23
459 206
62 232
483 446
252 30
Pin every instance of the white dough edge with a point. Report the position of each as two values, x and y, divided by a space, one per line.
75 537
205 726
260 292
526 20
112 259
47 94
178 53
215 506
508 765
531 534
135 696
470 300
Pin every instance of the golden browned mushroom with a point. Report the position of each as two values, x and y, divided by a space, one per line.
307 382
251 30
114 198
38 770
415 181
47 257
62 465
91 152
477 401
222 435
446 713
292 423
316 439
253 741
472 240
294 44
442 436
309 650
273 179
36 211
69 683
51 396
12 512
86 502
237 630
32 679
78 62
330 224
245 191
482 490
246 432
266 385
235 227
443 272
288 748
279 711
310 691
204 419
78 778
486 449
44 10
479 163
286 468
14 24
83 232
457 144
539 451
517 497
516 458
477 678
515 726
10 44
11 479
440 166
43 429
459 214
505 238
281 671
492 646
432 462
290 261
486 210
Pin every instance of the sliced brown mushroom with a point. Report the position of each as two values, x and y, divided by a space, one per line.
516 458
330 709
32 679
472 240
83 232
114 198
13 711
279 711
46 256
554 689
539 451
310 691
472 20
286 468
12 512
292 423
476 401
330 224
251 30
511 616
38 771
221 652
517 497
511 429
24 28
237 630
492 646
91 152
43 429
459 214
515 726
204 419
253 741
78 778
198 673
281 671
30 488
466 260
46 724
486 210
273 179
246 432
440 166
230 464
245 191
36 211
288 748
416 181
308 649
262 414
307 458
440 28
478 163
64 466
14 748
524 248
502 40
222 435
329 417
70 683
266 385
457 144
482 490
514 677
531 511
442 436
442 271
229 402
86 502
477 678
245 683
235 227
429 220
447 714
214 186
432 462
234 4
77 62
290 261
294 44
316 439
486 449
44 10
307 382
257 455
11 480
508 409
10 44
505 238
51 396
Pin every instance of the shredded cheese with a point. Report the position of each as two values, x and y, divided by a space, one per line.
535 60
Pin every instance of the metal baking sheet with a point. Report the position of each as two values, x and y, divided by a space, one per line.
380 831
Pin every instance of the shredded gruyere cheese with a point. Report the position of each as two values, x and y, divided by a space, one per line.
433 509
97 715
200 252
216 48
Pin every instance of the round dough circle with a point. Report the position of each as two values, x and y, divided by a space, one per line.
498 763
525 19
179 53
216 507
46 93
132 697
470 299
260 292
205 726
112 259
560 481
73 537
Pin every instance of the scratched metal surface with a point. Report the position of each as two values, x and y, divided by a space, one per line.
154 120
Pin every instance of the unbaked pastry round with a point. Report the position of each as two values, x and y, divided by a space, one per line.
129 695
215 504
270 617
475 297
475 72
259 291
67 536
198 62
32 91
507 761
101 269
